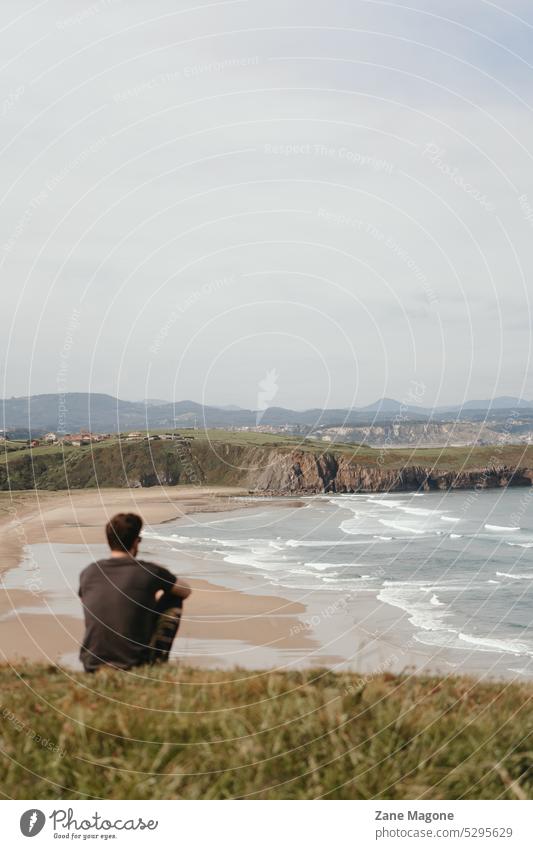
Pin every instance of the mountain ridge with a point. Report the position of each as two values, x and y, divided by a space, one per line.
102 412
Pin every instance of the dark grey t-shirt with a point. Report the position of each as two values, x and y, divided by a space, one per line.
118 598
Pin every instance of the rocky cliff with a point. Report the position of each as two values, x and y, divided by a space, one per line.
300 471
275 468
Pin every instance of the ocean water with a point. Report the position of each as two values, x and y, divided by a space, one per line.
459 564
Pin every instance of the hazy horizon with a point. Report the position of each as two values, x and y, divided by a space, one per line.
410 401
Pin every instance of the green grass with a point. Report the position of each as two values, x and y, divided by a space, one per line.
452 458
183 733
272 439
253 439
40 451
17 450
13 445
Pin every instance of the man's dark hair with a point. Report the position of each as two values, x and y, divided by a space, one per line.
122 531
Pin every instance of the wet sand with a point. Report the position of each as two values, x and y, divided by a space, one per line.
79 516
216 622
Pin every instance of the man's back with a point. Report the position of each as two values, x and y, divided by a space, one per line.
118 597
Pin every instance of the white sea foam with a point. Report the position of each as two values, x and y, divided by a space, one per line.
527 576
321 543
301 571
349 583
341 497
387 502
403 528
251 559
490 644
230 543
422 613
419 511
166 538
419 585
437 609
248 516
454 639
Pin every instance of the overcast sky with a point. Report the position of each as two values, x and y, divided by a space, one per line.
331 199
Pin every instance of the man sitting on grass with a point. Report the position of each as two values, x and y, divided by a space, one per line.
132 607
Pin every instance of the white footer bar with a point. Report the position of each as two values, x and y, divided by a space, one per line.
268 824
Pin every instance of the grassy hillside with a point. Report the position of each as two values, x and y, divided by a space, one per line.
185 733
219 458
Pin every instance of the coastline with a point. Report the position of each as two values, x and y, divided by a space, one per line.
79 516
230 621
215 615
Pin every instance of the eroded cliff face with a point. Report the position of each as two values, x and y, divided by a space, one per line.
260 468
305 472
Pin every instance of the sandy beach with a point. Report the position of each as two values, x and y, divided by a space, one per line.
221 626
231 619
214 613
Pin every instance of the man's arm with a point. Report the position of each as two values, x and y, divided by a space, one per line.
170 583
181 588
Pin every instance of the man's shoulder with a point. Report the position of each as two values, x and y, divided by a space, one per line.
93 568
102 566
96 565
154 568
109 562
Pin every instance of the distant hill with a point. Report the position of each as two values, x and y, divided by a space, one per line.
154 402
502 402
385 405
100 412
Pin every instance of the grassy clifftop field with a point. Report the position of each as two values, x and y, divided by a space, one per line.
185 733
263 462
